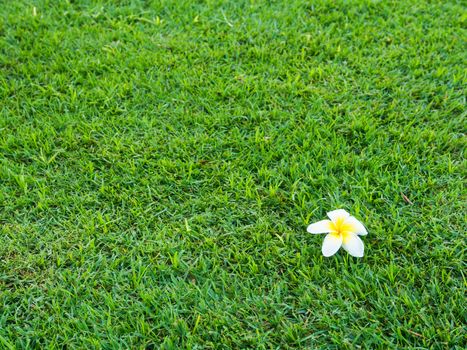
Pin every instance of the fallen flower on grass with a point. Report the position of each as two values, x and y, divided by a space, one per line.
342 230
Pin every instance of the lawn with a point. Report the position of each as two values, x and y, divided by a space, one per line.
160 162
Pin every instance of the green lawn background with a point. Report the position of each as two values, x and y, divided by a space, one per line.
160 161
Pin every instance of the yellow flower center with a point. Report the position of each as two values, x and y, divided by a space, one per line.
340 228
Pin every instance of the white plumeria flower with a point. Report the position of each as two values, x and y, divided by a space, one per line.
342 230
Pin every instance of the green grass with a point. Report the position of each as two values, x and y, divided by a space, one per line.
160 161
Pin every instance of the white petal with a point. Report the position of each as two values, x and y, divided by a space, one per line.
353 244
331 244
357 226
335 215
323 226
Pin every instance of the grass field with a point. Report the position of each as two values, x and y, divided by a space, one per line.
161 160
